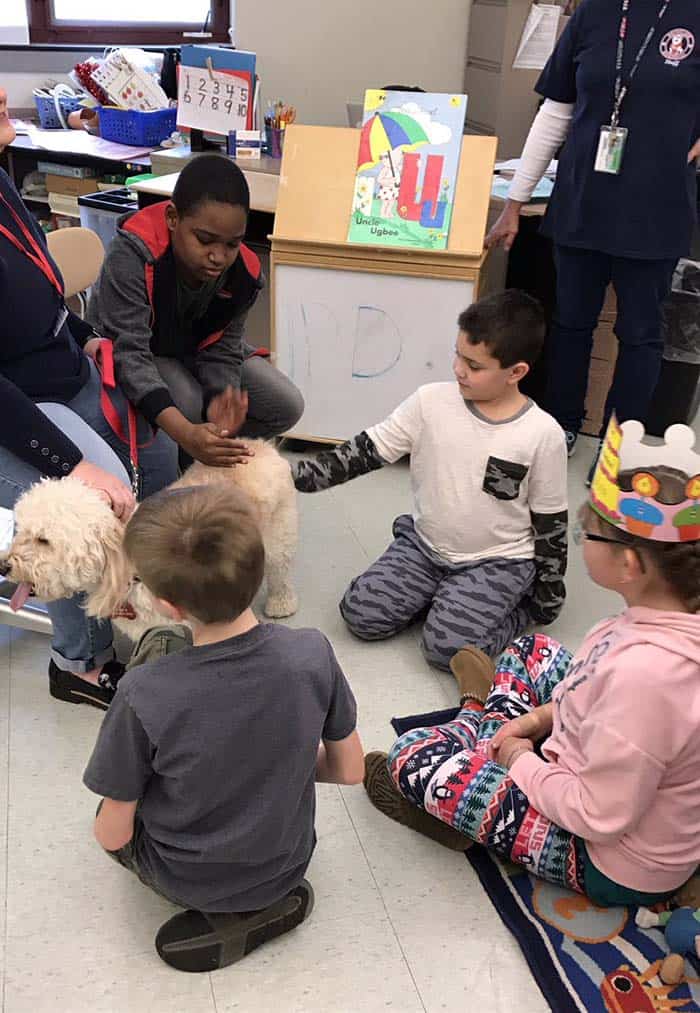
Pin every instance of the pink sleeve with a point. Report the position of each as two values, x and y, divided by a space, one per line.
605 799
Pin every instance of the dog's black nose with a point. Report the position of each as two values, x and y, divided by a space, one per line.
4 567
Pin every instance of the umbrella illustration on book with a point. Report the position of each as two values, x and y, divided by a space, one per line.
386 132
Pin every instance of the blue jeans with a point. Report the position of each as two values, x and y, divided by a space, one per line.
81 644
641 287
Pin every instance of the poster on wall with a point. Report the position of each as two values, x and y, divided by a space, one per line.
410 146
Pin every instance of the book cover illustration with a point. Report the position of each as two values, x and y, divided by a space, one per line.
410 145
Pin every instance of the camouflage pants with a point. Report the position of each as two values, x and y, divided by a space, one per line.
159 641
482 604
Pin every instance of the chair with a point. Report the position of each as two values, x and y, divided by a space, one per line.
79 254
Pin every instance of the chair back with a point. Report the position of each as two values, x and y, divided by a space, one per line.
79 254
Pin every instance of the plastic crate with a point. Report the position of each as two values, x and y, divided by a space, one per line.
101 212
129 126
48 115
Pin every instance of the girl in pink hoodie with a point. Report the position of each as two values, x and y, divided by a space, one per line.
608 804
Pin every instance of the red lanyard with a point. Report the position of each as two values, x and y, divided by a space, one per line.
36 253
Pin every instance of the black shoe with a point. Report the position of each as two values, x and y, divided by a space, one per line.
71 688
571 441
196 941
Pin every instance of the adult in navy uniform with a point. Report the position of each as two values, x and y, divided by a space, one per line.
51 424
641 57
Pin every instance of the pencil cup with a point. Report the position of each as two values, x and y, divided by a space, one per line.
275 141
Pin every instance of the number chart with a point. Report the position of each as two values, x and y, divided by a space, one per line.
213 100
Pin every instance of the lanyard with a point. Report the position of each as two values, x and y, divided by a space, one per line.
35 252
620 88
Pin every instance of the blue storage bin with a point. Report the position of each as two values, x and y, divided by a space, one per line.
48 114
129 126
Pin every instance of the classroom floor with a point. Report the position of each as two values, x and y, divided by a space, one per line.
399 922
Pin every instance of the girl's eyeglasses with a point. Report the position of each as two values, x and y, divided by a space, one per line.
580 535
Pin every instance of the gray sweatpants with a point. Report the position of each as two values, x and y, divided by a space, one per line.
276 405
482 604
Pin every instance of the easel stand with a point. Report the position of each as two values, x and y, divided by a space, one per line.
359 328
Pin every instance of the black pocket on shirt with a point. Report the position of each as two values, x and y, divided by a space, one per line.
503 478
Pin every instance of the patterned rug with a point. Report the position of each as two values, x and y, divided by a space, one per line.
584 958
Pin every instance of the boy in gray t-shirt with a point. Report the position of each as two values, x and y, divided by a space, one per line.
207 758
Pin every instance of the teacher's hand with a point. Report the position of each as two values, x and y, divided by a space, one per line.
694 151
92 348
113 491
506 228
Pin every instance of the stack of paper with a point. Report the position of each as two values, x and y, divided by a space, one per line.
511 166
539 37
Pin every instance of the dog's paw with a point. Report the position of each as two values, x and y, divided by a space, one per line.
279 606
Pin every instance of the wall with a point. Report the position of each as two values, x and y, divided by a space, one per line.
24 70
321 55
324 56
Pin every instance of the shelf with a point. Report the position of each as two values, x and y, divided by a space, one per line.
34 200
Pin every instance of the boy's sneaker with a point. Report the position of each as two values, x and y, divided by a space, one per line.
571 441
71 688
386 797
594 465
199 941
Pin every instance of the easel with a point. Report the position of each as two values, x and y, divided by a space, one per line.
313 211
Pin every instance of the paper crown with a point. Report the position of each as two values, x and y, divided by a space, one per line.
651 492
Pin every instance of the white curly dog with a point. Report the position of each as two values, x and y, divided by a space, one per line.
68 541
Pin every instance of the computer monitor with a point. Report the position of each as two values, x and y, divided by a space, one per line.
354 111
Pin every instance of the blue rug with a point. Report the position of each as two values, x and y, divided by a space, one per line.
584 958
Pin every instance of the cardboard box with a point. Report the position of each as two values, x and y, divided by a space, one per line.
69 186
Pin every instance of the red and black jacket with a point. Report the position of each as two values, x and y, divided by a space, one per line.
135 305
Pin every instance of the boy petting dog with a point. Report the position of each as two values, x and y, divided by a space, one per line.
484 553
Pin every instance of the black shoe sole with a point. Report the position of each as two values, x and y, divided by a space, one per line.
195 942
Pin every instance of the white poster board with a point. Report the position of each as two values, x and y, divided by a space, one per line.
213 100
356 344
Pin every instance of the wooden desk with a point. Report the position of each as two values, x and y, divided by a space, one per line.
264 187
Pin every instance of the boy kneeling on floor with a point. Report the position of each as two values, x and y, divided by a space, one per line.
207 758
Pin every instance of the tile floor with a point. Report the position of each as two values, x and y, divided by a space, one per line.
399 922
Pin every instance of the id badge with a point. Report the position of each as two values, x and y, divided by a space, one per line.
611 149
60 321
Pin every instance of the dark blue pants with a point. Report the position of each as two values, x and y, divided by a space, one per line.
641 287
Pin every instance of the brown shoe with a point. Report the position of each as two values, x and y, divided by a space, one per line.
474 672
385 796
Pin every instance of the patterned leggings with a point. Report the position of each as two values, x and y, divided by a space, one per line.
446 771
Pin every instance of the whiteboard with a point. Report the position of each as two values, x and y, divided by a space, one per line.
356 344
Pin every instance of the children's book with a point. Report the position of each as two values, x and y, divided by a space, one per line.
410 146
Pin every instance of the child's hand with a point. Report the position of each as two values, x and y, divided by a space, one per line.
212 446
510 749
525 727
228 410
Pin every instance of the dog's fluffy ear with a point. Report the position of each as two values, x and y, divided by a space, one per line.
105 599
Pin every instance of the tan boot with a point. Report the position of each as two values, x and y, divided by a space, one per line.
474 672
385 796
